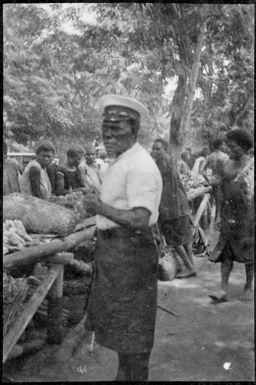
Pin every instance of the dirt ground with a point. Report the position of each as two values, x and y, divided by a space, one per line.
206 343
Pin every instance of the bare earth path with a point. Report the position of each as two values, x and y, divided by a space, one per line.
207 343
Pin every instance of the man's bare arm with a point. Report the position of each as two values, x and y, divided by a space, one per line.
136 218
35 176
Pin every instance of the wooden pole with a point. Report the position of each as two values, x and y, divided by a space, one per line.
68 259
197 192
168 311
201 209
54 311
63 258
35 253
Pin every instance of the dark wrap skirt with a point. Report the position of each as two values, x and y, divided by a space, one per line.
236 239
122 305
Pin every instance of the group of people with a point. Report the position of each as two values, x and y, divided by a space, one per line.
43 177
137 192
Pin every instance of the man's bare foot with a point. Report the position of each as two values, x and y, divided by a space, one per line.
247 295
218 296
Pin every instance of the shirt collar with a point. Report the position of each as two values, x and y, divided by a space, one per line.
124 154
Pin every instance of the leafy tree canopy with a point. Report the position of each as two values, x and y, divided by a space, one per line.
53 77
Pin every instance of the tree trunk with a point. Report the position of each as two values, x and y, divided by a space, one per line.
176 113
185 119
183 98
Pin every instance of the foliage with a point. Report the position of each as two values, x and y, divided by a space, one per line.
227 73
53 78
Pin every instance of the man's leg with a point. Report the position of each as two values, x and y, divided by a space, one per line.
226 267
139 366
248 293
124 369
189 271
189 250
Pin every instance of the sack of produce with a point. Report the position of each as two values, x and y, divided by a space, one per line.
38 215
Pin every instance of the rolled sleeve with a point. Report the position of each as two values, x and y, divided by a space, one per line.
142 189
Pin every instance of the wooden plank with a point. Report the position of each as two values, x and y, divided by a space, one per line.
26 347
82 266
201 209
54 311
36 253
195 193
68 259
60 258
29 311
88 222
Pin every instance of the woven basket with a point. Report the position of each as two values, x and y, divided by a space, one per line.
168 264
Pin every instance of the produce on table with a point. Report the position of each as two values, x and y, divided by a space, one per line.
73 201
15 236
39 216
44 221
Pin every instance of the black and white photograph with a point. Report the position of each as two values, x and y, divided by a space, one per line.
128 192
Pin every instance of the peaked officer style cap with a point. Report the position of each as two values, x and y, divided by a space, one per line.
118 108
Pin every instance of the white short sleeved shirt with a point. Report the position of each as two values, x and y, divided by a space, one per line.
131 180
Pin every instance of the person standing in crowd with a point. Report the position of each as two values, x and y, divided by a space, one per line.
189 157
52 169
174 218
122 306
236 241
100 162
11 174
68 179
183 169
215 162
89 170
35 180
96 142
200 159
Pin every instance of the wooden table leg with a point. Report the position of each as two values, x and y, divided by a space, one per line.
54 311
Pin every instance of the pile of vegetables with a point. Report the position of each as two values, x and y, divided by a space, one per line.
73 201
15 236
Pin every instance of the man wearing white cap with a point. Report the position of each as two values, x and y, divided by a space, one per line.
122 307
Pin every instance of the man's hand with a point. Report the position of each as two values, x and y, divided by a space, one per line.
93 204
84 190
208 189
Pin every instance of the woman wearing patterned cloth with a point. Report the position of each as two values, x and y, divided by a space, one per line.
237 215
